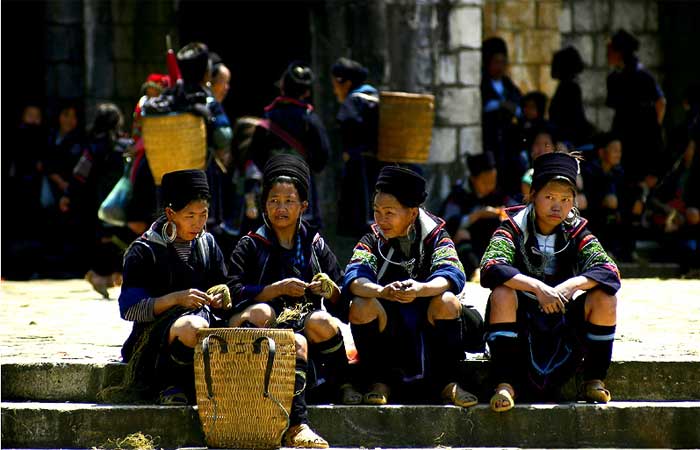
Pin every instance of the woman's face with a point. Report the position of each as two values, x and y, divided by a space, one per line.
190 220
341 88
497 66
221 84
283 206
67 120
541 145
552 204
391 216
615 58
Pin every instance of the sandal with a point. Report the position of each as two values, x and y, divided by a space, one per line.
502 400
594 391
302 436
378 395
453 394
349 395
172 396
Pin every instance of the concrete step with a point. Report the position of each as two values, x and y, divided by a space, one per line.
643 269
618 424
80 382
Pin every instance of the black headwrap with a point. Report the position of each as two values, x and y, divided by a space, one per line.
285 165
554 165
492 46
406 185
347 69
480 163
624 43
179 188
566 63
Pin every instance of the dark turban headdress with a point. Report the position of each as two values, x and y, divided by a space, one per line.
347 69
480 163
551 166
406 185
285 165
624 42
179 188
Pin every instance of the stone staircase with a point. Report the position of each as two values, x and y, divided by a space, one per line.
657 404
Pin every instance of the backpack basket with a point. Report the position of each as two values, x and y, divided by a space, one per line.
244 379
176 141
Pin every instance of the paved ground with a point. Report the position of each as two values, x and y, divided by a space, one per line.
65 320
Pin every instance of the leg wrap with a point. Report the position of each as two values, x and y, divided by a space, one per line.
502 339
598 351
299 414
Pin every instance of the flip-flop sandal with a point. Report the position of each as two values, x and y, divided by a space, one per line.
594 391
301 436
502 400
453 394
172 396
378 395
349 395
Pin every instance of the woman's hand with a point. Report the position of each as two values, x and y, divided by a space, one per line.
191 298
566 289
292 287
551 300
402 291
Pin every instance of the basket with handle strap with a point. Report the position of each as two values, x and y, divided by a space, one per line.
405 127
244 379
175 141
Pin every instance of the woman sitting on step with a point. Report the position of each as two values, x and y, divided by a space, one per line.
540 256
403 279
167 272
284 275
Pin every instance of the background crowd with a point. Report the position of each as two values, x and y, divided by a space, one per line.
636 181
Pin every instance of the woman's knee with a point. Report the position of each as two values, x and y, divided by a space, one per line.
260 315
320 326
443 307
362 310
301 346
600 305
503 303
185 329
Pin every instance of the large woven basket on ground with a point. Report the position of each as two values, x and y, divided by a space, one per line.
245 382
174 142
405 127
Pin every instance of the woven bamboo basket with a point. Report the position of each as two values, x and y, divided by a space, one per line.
174 142
405 127
233 407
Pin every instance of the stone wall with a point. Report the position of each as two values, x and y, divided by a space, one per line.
99 51
423 46
531 30
587 25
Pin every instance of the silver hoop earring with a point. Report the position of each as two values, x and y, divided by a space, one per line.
267 224
411 230
170 237
202 232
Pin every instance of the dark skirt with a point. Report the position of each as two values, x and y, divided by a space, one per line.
551 347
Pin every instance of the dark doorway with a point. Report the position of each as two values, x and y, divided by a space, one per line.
255 39
679 22
23 80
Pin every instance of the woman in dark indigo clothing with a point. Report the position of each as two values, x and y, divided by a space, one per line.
539 257
167 272
403 278
284 275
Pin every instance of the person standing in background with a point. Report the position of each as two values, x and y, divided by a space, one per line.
501 110
639 106
566 111
358 118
